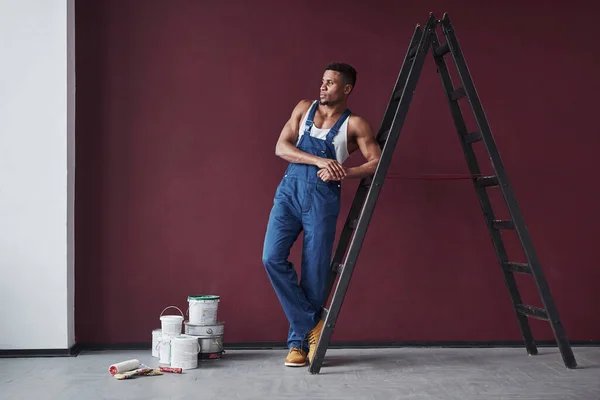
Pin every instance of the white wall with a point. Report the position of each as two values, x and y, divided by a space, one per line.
36 174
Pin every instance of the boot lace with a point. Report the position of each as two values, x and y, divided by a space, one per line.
312 338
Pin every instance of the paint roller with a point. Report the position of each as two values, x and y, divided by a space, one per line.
123 366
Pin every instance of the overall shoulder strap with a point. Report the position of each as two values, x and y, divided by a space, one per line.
338 124
311 116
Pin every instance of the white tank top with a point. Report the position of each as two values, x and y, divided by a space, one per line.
340 141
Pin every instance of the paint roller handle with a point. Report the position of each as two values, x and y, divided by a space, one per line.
170 369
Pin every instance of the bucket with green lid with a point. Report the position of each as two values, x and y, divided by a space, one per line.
203 309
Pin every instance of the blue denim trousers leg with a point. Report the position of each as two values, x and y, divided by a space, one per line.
312 207
283 229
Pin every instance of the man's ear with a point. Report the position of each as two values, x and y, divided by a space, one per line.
348 89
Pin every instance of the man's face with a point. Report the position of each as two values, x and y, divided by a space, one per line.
333 89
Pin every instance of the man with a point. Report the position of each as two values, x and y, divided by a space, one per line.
316 141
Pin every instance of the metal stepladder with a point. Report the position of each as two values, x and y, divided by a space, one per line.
361 210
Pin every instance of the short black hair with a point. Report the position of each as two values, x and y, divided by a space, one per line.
346 70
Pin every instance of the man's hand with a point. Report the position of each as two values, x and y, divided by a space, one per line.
333 169
324 175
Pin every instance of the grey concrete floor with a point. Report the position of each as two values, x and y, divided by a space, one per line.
399 373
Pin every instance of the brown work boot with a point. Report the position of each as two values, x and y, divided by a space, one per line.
313 339
296 358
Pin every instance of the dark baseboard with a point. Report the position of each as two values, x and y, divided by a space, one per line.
75 350
440 344
37 353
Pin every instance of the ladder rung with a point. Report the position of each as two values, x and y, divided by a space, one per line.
520 268
458 93
532 311
503 224
473 137
442 50
337 268
383 137
487 181
365 183
413 51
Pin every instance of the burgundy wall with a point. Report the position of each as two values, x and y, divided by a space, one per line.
179 105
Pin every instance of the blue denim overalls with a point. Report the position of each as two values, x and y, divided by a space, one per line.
303 202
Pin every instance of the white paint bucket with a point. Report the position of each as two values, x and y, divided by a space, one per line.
156 337
203 309
184 352
171 324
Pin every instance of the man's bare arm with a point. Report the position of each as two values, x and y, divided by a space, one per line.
286 145
369 149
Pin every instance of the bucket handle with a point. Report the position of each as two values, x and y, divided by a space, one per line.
171 307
